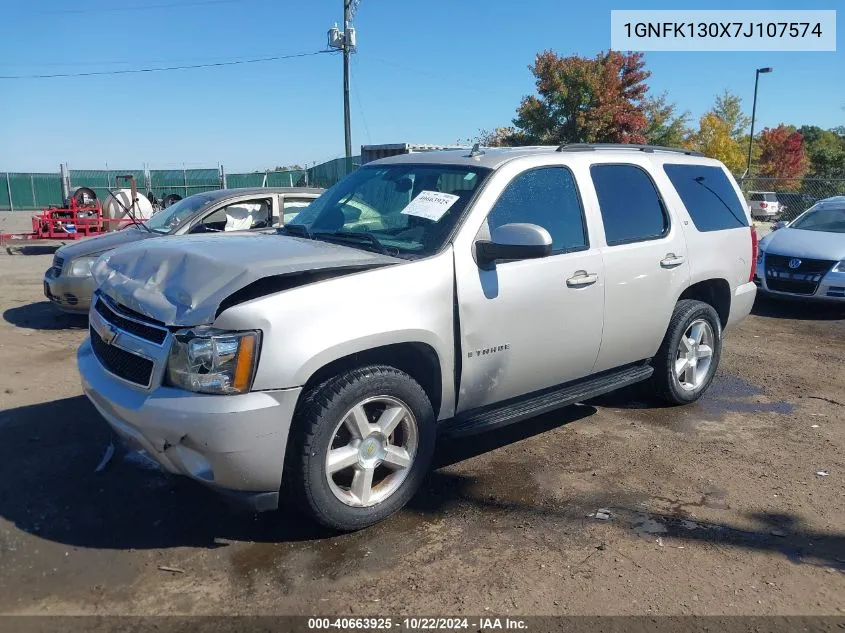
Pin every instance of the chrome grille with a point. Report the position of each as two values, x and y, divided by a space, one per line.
135 327
121 363
807 265
803 279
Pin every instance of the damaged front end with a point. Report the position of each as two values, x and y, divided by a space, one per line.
176 386
188 281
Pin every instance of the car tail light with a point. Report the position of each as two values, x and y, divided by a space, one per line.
763 205
753 253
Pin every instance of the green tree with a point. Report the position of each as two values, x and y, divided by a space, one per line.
826 152
728 107
663 125
585 100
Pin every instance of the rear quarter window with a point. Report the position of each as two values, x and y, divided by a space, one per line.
708 195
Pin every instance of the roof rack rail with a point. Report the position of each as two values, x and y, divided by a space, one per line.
589 147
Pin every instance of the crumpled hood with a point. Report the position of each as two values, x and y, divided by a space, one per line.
183 280
105 242
801 243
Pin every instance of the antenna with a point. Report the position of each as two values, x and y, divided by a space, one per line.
475 151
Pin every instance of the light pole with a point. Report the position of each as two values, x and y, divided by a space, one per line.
753 113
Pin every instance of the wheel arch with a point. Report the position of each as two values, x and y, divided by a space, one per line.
417 359
715 292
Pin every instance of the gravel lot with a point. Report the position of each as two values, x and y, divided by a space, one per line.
714 508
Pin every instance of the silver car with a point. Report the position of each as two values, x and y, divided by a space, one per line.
805 258
423 297
68 283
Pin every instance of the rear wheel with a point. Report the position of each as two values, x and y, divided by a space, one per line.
689 355
362 445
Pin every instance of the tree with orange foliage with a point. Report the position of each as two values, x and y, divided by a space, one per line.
782 155
584 100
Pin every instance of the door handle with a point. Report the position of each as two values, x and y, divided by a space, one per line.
671 260
581 278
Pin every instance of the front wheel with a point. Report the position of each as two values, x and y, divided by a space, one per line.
689 355
361 447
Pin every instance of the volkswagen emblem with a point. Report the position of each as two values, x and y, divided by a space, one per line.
794 263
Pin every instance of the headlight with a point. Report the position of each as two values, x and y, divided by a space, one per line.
840 267
207 360
81 266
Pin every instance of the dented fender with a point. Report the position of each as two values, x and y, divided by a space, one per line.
310 326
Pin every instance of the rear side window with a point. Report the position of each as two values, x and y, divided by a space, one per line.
708 195
760 197
548 197
630 207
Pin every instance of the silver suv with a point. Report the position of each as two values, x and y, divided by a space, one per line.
425 296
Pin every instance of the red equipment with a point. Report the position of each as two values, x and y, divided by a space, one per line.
70 223
82 217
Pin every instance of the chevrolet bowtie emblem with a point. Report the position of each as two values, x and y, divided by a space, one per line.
106 332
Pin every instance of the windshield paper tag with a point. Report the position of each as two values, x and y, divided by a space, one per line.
430 205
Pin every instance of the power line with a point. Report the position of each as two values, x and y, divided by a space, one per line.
123 62
166 68
357 90
428 74
169 5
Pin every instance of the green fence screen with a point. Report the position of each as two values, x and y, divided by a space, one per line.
33 191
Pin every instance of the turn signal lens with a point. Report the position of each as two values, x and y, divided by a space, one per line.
245 364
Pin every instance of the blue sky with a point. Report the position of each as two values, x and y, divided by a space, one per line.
426 72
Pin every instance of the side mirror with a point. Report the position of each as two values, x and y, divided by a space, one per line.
778 225
513 242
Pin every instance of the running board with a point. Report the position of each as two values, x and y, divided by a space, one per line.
479 421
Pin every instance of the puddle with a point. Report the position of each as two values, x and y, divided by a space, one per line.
715 499
731 394
646 526
727 394
348 555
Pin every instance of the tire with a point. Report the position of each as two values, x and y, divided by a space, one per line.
325 422
694 378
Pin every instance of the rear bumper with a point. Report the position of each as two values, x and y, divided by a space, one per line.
741 303
232 444
69 294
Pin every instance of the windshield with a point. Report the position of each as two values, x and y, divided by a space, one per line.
831 220
168 219
404 210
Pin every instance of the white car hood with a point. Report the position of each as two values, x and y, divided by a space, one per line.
182 281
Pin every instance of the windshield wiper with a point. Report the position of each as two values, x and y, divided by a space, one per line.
297 230
365 239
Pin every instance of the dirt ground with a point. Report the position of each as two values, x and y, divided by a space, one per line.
715 508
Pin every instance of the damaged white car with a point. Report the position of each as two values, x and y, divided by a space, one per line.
425 295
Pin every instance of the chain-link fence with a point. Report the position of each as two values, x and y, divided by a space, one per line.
33 191
785 198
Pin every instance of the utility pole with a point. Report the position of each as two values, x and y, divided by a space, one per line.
347 128
345 42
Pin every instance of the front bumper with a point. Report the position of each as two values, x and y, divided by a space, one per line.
69 294
233 444
830 288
